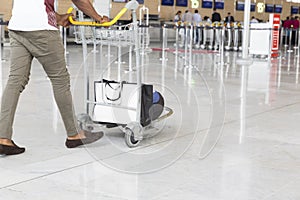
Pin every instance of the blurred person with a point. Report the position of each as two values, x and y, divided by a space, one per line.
207 19
177 17
229 18
295 27
196 20
288 25
187 17
197 17
295 22
253 20
216 17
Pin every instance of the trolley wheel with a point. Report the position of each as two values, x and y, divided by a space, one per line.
129 138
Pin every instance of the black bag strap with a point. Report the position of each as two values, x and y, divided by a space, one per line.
108 84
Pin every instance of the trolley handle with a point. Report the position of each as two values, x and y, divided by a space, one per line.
131 5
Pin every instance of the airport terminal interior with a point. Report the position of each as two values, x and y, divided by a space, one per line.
228 128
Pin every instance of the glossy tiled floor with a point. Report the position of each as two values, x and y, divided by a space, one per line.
234 134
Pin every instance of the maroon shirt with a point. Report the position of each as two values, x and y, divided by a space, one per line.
287 23
51 12
295 23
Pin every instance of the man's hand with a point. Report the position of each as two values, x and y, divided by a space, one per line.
105 19
102 19
63 20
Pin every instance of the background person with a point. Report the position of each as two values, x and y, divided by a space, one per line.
177 17
229 18
196 20
197 17
288 25
207 19
216 17
253 20
295 26
187 17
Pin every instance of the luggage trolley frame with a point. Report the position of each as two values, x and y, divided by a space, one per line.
134 130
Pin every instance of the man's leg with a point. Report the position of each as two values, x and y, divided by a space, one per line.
52 59
18 78
47 47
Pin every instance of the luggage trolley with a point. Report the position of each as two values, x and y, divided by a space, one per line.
120 103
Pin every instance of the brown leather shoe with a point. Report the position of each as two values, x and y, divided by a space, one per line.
90 137
11 150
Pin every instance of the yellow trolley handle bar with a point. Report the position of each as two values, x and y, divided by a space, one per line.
106 24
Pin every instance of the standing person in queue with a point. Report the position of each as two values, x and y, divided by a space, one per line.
229 18
295 26
187 17
253 20
197 19
33 31
206 19
177 17
287 24
216 17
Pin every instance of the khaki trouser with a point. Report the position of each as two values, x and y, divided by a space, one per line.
47 48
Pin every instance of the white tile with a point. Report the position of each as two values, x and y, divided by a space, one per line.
254 138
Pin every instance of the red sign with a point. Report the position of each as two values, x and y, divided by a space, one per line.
275 21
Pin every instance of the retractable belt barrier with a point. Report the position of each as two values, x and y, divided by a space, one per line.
208 36
220 37
289 40
205 35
